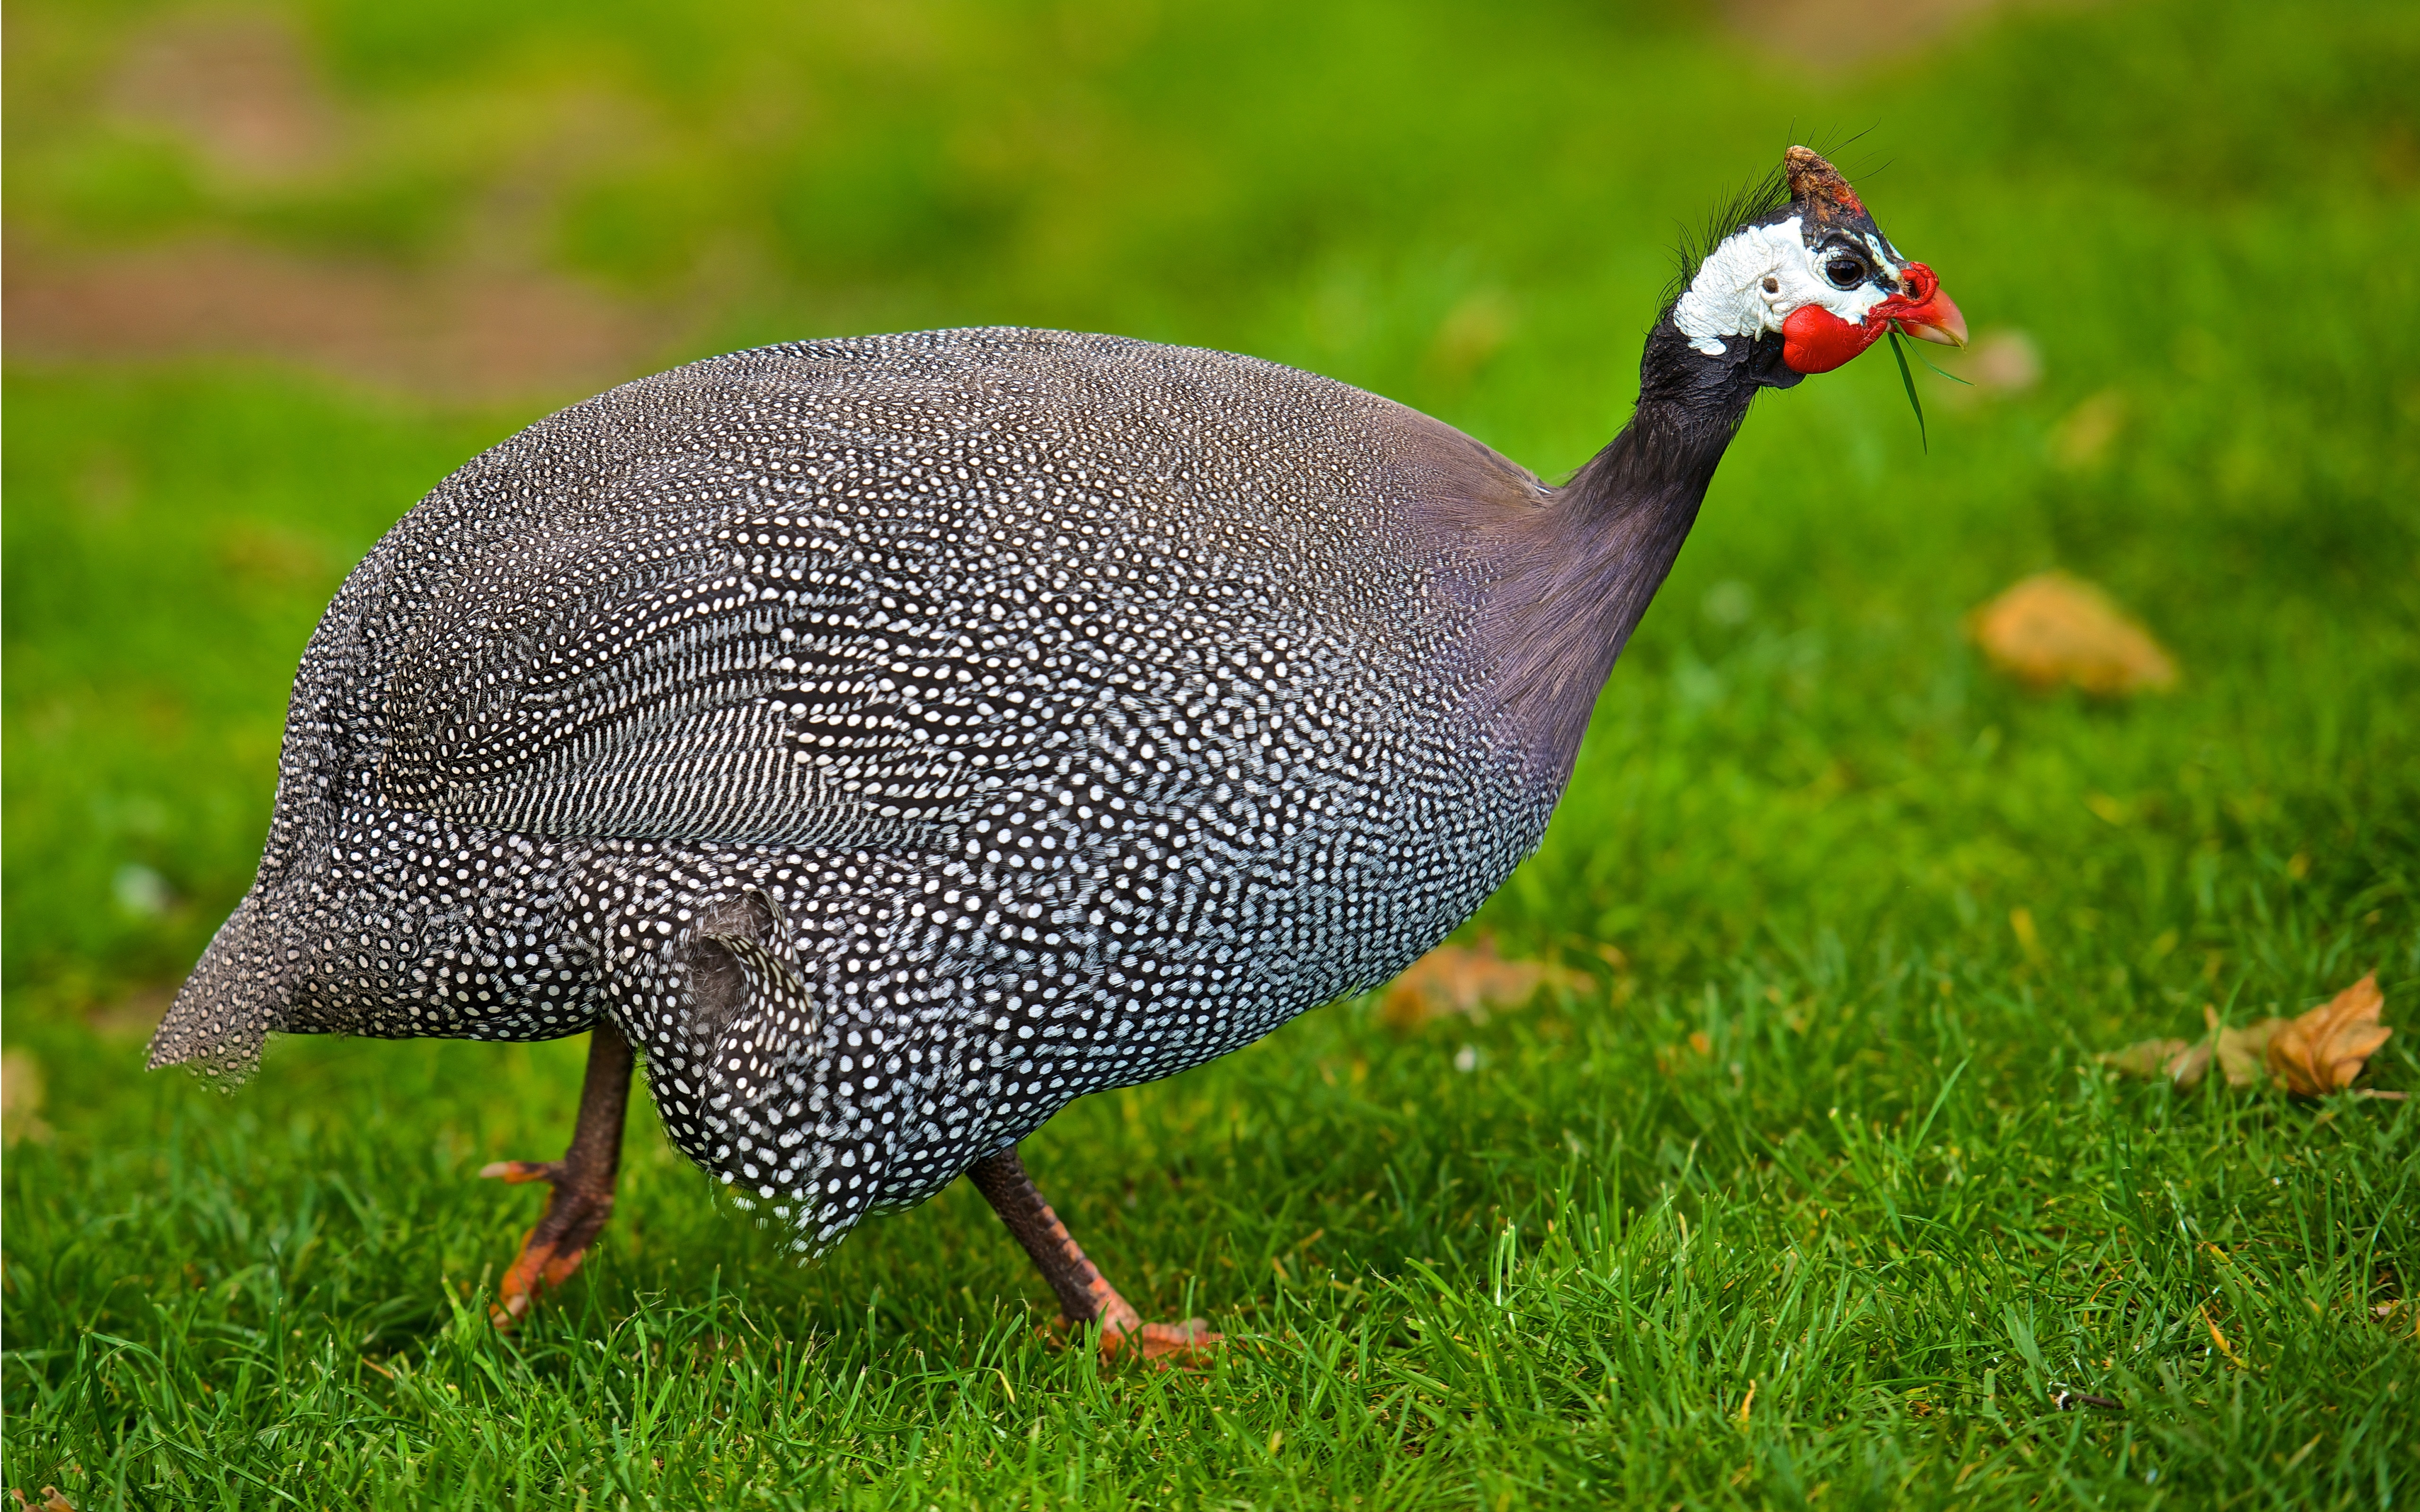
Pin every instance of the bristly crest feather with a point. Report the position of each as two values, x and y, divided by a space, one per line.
1754 201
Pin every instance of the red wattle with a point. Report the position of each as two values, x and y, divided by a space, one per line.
1814 340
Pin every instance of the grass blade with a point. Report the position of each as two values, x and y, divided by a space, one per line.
1908 378
1940 372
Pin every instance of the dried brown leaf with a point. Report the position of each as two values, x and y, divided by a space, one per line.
2241 1052
2188 1068
2325 1049
1468 980
2237 1053
2145 1057
2180 1061
2055 628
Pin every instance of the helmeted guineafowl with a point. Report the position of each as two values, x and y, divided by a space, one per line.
893 739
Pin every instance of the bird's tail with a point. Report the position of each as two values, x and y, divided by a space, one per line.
226 1007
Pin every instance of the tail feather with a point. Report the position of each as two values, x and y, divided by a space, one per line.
226 1007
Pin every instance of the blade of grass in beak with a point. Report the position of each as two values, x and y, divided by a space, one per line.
1938 373
1908 378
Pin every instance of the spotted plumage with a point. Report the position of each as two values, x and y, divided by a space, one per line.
894 739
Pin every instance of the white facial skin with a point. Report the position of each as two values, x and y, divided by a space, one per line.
1760 274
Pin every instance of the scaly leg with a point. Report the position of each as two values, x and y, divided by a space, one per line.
582 1181
1084 1294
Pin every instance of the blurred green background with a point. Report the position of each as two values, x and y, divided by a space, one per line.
274 269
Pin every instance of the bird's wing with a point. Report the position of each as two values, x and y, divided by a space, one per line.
795 595
700 651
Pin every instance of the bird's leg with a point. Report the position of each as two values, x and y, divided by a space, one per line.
582 1181
1085 1296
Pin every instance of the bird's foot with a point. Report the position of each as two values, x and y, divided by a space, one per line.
551 1251
1188 1346
1085 1295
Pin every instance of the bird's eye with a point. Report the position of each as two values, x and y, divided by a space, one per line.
1845 272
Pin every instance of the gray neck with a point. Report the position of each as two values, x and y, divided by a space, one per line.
1586 567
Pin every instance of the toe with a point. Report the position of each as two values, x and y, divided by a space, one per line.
517 1171
1185 1344
513 1300
518 1291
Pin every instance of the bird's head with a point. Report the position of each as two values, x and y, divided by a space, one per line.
1803 280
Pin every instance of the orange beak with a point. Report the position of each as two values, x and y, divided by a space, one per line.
1926 312
1939 321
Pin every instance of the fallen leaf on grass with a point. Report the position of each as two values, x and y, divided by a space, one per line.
2147 1058
2241 1051
2325 1048
2319 1053
1463 979
2188 1068
2055 628
51 1500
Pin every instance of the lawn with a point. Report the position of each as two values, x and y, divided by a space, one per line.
1799 1185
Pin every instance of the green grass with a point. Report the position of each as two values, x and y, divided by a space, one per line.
1828 1132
